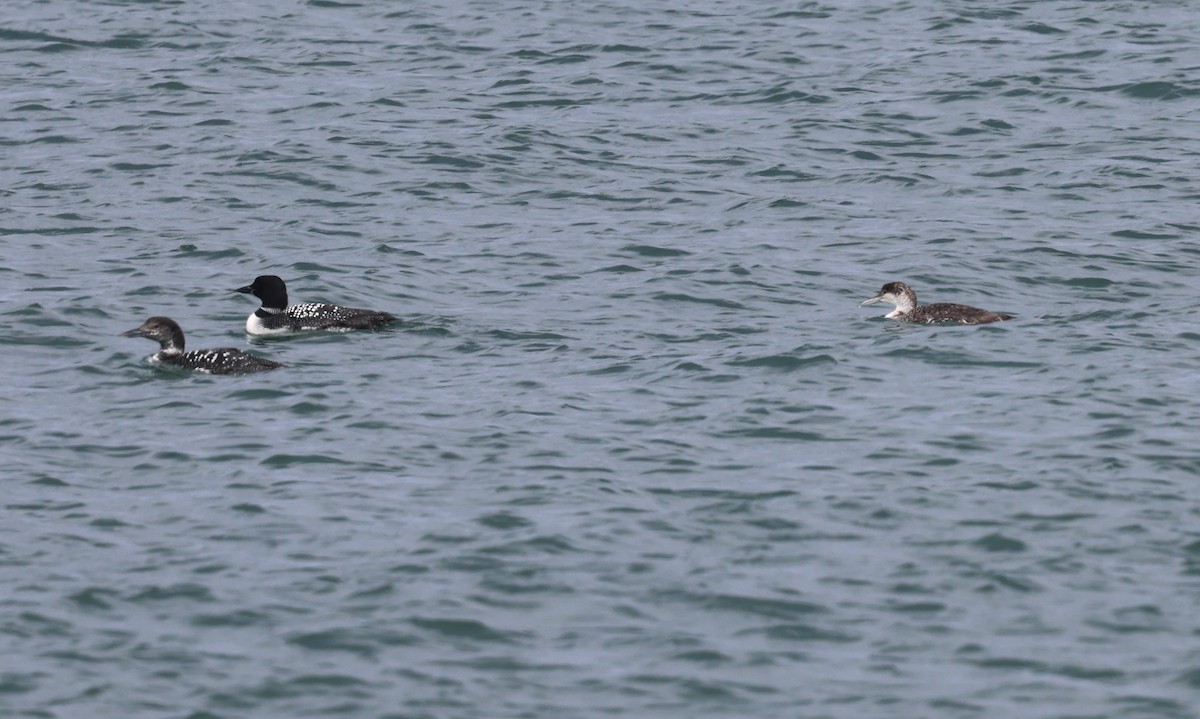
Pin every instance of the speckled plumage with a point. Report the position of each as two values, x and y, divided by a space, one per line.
221 360
276 317
907 309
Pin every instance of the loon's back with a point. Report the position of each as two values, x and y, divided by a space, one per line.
315 316
220 360
951 312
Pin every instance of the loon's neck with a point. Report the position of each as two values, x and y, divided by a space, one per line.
171 343
265 311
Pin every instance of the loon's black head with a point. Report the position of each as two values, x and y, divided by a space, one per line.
163 330
268 288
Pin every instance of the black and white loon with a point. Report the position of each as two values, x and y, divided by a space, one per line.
275 317
222 360
907 309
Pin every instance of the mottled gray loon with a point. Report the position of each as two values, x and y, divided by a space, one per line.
222 360
275 317
905 300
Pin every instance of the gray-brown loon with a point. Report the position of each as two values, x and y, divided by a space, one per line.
907 309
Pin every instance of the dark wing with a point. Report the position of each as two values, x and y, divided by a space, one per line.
318 316
962 314
224 360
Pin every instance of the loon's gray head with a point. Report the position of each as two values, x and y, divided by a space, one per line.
163 330
270 289
894 293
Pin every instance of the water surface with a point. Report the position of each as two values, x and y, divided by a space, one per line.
635 450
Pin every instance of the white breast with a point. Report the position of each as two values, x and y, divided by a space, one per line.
254 326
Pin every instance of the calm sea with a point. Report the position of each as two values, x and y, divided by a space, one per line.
635 450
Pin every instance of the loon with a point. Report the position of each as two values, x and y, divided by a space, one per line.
223 360
275 317
905 300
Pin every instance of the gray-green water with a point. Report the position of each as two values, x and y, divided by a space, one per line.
636 450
